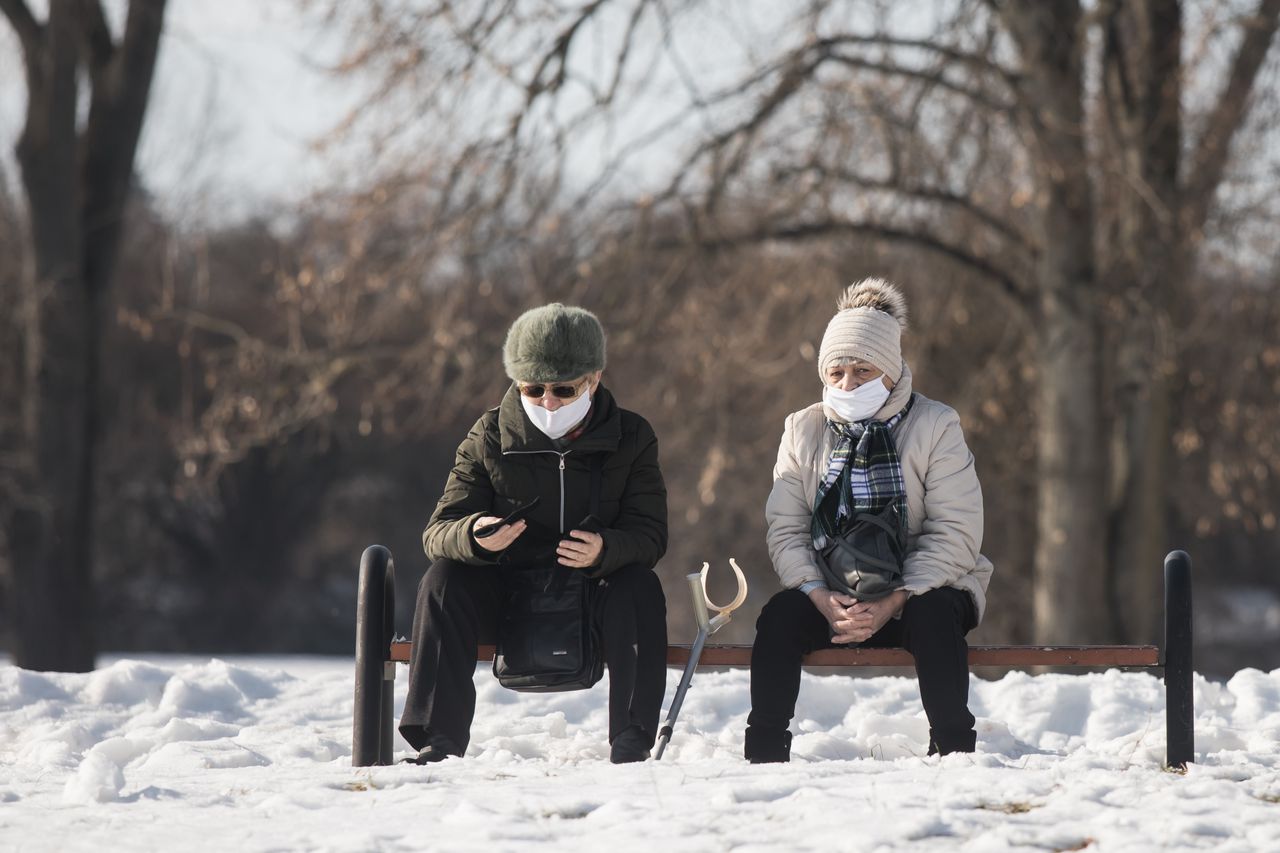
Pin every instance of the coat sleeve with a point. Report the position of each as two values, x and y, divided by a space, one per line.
468 494
639 533
951 531
789 517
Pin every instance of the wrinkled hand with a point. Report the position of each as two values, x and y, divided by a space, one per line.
834 606
854 621
503 537
870 616
582 550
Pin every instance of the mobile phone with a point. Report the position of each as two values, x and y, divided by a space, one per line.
591 524
516 514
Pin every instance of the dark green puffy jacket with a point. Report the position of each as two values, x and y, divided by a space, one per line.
505 461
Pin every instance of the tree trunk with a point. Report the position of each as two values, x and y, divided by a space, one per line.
76 188
1070 559
48 538
1142 141
1168 220
1070 591
1139 528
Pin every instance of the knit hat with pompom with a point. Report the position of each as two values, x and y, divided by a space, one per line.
870 317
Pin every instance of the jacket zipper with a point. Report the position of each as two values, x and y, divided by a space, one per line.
562 456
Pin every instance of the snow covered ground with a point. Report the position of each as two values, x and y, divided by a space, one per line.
254 754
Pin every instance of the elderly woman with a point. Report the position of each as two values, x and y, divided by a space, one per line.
555 425
872 452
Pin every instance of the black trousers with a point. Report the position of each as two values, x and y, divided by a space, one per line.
458 608
932 628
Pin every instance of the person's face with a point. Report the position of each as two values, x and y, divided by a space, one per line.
551 397
846 377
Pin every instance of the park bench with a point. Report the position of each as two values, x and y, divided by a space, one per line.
378 651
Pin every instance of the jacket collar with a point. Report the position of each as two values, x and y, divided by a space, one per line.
518 434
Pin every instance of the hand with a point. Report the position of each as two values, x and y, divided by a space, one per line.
868 617
834 608
582 550
500 539
854 621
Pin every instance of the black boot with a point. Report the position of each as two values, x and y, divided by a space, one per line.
438 748
631 745
945 743
767 746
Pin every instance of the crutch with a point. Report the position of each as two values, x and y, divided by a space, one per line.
706 627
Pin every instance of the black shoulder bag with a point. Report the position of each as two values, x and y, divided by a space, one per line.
547 638
866 560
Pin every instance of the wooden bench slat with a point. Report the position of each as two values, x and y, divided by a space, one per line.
740 655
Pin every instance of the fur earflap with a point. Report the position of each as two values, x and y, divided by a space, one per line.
878 294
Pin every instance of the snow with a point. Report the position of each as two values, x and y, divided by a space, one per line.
254 754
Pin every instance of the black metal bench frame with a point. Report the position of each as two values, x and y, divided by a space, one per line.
378 652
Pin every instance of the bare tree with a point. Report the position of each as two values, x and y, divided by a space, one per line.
1048 149
77 173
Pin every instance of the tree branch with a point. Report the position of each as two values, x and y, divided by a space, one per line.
920 239
935 78
120 94
787 87
139 46
624 52
557 57
923 193
960 57
1050 40
30 32
1210 159
97 34
794 70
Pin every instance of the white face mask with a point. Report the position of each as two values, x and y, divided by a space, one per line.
860 403
558 423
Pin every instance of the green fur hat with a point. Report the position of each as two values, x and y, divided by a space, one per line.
553 343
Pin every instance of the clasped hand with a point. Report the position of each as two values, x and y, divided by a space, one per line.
854 621
581 550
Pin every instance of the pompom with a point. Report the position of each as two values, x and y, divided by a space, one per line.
878 294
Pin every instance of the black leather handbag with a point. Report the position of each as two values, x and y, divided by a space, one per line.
548 639
865 561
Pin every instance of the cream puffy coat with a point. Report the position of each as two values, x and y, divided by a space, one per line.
944 499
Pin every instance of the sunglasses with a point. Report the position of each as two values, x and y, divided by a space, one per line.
563 391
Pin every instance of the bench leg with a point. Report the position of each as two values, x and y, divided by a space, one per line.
371 736
385 738
1180 746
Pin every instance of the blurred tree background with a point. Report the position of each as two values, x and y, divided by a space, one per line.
1080 201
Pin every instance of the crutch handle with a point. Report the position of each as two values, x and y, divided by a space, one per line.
707 625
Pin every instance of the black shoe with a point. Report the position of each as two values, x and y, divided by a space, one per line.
631 745
438 748
945 743
767 746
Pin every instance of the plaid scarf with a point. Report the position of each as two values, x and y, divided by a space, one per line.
864 475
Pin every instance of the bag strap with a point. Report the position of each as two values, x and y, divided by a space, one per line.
869 559
878 522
